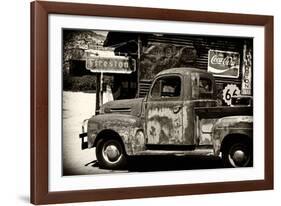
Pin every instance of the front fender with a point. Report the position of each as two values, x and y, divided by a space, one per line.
232 125
128 127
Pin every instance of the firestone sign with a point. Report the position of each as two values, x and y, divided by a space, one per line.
123 65
224 63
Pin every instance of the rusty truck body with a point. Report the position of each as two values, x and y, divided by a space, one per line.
179 114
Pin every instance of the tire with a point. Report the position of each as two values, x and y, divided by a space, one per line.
238 154
110 154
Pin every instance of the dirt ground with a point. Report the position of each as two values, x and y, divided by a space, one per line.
77 106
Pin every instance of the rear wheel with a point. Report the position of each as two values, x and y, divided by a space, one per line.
238 154
110 154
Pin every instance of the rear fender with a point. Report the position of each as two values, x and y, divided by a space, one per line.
232 126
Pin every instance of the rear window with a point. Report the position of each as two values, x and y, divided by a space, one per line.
205 85
202 86
205 88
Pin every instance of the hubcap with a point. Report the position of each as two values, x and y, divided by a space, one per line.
239 156
111 153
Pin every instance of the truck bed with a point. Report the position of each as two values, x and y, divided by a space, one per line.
222 111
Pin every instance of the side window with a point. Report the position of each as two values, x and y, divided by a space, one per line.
166 87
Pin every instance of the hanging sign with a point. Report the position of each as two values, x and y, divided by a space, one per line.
224 63
123 65
246 88
230 91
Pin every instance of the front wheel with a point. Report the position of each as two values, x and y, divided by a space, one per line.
110 154
238 154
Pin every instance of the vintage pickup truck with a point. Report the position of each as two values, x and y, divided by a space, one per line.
179 114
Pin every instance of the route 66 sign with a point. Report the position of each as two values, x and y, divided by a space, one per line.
230 91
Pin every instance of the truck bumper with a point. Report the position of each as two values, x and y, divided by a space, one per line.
83 136
84 142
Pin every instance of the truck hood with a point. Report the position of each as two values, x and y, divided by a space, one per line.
124 106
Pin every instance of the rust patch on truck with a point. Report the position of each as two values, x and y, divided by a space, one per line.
206 127
162 130
188 123
163 125
129 130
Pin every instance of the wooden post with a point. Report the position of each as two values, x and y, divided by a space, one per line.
101 89
98 88
138 64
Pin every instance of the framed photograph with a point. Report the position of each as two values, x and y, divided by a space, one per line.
131 102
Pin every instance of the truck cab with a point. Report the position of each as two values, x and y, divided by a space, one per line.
169 106
179 114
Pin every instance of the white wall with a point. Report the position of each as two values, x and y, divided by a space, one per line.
14 110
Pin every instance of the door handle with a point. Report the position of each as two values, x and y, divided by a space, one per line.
177 108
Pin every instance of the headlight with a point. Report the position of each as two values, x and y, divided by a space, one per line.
140 137
84 125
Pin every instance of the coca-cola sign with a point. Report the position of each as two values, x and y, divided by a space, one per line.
224 63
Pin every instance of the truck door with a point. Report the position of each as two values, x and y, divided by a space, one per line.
163 115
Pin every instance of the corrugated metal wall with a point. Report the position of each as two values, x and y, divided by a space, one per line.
166 51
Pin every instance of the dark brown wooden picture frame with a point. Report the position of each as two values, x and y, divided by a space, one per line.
39 102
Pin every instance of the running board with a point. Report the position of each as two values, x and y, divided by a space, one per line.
196 152
169 147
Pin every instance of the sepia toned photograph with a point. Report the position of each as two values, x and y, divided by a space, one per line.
152 102
135 102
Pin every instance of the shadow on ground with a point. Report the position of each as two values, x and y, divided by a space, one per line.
153 163
169 162
172 162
